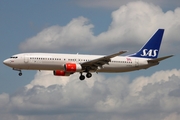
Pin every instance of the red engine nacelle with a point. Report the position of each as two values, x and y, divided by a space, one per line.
72 67
61 73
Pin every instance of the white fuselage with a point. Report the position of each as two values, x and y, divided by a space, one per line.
49 61
67 64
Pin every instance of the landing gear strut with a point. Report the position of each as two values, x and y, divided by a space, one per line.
20 73
88 75
82 77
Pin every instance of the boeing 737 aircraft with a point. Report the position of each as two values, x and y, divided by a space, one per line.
67 64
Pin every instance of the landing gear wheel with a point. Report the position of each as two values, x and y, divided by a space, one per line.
20 74
82 77
88 75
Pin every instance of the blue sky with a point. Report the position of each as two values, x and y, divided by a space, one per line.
101 27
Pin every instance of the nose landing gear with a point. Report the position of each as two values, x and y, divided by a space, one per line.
20 72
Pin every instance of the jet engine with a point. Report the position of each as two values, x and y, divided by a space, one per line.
61 73
72 67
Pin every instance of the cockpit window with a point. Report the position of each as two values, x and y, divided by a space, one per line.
14 57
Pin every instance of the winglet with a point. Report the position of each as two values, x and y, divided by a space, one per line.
116 54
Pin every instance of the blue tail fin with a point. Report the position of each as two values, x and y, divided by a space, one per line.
151 48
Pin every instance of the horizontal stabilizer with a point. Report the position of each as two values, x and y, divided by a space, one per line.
159 59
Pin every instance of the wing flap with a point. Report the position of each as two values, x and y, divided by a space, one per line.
99 62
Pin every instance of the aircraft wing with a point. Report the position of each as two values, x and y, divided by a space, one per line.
159 59
99 62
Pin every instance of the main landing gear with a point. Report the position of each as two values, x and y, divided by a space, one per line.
82 77
20 72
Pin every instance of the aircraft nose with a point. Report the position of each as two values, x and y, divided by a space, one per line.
6 62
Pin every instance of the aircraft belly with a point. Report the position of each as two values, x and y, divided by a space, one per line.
47 67
115 68
41 66
122 68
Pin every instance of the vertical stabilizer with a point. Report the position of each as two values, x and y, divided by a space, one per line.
152 47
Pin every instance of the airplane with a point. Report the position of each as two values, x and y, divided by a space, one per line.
67 64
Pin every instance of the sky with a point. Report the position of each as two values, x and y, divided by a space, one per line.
89 27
